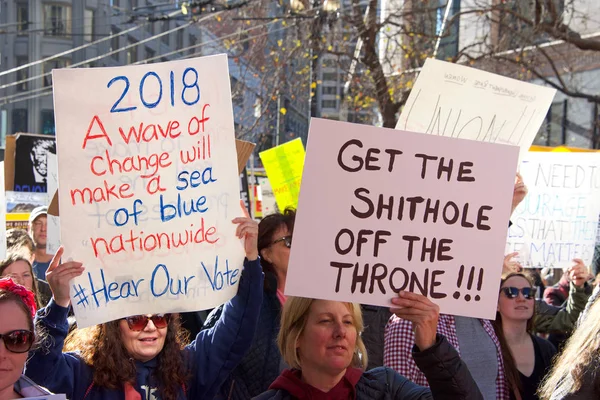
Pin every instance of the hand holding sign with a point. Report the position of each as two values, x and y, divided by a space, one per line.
423 314
519 192
59 276
578 273
248 230
511 265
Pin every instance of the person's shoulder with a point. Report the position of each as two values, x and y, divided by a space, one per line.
545 345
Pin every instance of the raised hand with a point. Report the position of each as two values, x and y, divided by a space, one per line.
59 276
510 265
248 230
423 314
578 273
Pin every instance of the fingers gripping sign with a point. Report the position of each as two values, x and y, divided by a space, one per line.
59 275
247 229
423 314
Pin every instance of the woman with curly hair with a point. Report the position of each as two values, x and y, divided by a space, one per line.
576 372
141 356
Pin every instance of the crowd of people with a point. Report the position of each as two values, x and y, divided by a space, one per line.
543 344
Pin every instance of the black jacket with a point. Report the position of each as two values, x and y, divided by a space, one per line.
448 377
262 364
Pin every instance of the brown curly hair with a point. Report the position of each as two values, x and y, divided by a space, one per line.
101 347
13 258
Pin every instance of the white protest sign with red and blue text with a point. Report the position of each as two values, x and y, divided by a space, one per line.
148 186
382 211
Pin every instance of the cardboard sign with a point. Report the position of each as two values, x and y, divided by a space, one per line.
457 101
148 186
31 163
558 219
403 211
53 221
283 165
19 205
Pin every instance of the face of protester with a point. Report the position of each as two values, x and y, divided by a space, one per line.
20 272
278 254
328 341
11 364
39 230
518 308
145 344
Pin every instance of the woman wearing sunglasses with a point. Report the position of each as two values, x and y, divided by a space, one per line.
527 357
141 357
17 308
263 363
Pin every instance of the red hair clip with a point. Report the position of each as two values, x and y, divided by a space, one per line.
25 294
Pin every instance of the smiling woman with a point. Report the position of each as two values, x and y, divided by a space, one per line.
320 340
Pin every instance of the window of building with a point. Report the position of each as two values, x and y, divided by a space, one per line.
19 120
150 55
150 28
114 44
88 27
114 3
57 20
329 104
132 53
22 74
164 28
329 90
22 18
330 76
47 124
179 39
53 64
448 47
553 130
193 41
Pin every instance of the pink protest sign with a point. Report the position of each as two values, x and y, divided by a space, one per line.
148 185
382 210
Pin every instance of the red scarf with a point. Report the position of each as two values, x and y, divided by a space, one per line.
291 381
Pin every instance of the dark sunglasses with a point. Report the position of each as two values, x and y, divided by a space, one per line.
138 323
19 341
513 292
287 240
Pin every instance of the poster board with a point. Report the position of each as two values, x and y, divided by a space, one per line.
53 221
149 210
558 219
2 215
458 101
410 212
283 165
31 162
18 207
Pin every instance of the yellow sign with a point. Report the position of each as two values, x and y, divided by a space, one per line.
283 165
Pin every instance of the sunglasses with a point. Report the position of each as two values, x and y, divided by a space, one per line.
287 240
18 341
513 292
138 323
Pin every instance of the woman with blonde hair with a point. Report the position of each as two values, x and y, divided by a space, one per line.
576 372
320 340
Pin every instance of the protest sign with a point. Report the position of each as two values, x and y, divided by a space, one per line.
2 214
53 221
148 186
31 164
558 219
19 205
404 211
457 101
283 165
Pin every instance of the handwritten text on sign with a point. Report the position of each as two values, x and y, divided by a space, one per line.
457 101
148 187
382 211
558 219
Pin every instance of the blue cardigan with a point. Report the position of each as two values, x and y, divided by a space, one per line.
212 355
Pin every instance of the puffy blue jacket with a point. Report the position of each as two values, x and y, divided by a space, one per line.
212 355
262 364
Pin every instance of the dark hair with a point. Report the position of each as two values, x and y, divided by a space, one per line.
13 258
8 295
101 347
510 366
267 228
18 241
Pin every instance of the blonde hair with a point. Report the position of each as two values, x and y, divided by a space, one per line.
293 321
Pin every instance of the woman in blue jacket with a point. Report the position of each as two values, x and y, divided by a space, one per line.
141 357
